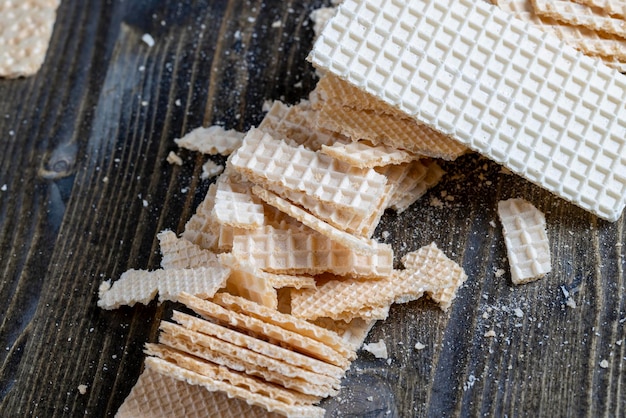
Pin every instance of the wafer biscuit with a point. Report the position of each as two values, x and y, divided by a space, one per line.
237 358
378 128
362 155
141 286
401 200
235 206
212 140
581 15
355 243
264 160
179 373
258 345
287 322
202 229
526 240
159 396
352 332
25 32
501 87
610 7
235 378
303 252
245 280
298 124
178 253
301 343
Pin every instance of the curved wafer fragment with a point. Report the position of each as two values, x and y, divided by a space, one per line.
212 140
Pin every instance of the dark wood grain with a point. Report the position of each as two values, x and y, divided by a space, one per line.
83 144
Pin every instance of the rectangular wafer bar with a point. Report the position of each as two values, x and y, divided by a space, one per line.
494 83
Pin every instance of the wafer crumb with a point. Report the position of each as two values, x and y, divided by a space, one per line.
173 158
148 40
82 389
604 364
378 349
419 346
490 334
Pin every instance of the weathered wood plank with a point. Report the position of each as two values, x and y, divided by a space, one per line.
81 151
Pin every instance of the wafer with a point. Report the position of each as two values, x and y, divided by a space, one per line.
580 15
257 345
355 243
304 252
610 7
362 155
501 87
178 253
378 128
401 200
202 229
352 332
160 396
179 373
235 378
298 124
25 32
212 140
235 206
298 342
141 286
287 322
247 281
526 240
264 160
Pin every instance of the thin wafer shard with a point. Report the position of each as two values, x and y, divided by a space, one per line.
141 286
360 154
500 86
178 253
526 240
212 140
247 281
610 7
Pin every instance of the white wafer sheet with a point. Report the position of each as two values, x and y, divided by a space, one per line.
500 86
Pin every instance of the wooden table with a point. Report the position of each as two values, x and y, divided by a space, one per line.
84 189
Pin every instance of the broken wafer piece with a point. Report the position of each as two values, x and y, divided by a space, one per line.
235 206
580 15
212 140
303 343
247 281
501 87
402 199
355 243
527 245
202 229
610 7
352 332
163 367
160 396
178 253
268 161
309 252
362 155
25 32
141 286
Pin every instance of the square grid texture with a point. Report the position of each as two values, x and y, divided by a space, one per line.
494 83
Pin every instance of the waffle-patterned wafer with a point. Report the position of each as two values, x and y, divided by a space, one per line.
212 140
235 206
159 396
287 322
178 253
304 252
247 281
215 350
295 340
610 7
141 286
503 88
362 155
265 160
202 229
581 15
258 345
235 378
168 369
355 243
280 281
431 265
583 39
25 32
526 240
379 128
298 123
352 332
408 178
402 200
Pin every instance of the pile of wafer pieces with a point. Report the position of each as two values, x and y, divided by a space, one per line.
278 264
277 275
